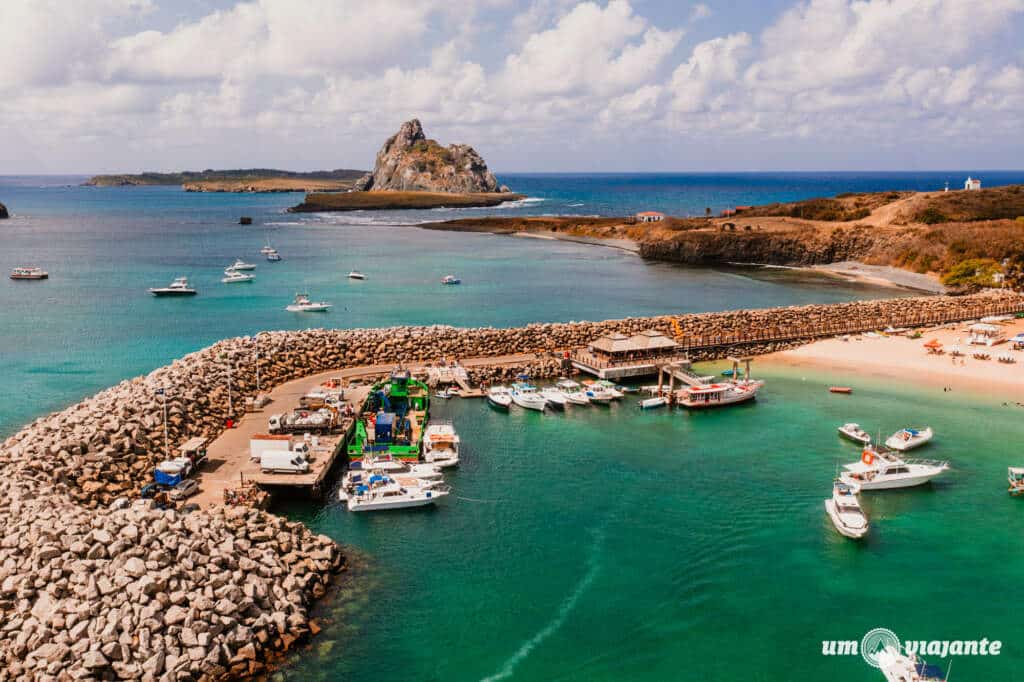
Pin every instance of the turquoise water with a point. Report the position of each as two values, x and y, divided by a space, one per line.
600 544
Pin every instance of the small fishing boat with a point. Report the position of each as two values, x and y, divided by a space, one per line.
885 470
234 277
845 511
1015 475
302 304
355 274
908 439
29 273
450 280
853 432
840 389
555 397
573 392
526 396
651 403
273 256
441 445
899 668
499 396
241 265
179 287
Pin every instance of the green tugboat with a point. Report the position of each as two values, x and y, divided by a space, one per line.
392 419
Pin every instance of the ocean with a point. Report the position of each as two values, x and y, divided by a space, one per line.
593 545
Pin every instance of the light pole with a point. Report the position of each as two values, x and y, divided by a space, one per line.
162 392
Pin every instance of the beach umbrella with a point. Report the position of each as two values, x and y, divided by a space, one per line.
934 343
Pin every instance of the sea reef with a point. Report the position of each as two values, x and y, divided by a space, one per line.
94 585
3 212
393 200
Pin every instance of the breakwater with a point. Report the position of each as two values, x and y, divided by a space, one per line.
92 584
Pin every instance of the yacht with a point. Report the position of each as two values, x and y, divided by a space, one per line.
908 439
845 512
179 287
267 249
273 256
233 277
499 396
241 265
355 274
899 668
302 304
441 444
394 493
29 273
853 432
573 392
885 470
714 395
426 474
391 464
555 397
526 396
450 279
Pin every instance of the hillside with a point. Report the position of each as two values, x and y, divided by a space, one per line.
237 180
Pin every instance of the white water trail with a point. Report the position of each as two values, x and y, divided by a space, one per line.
551 628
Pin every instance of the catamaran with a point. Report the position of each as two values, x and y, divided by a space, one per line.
845 511
526 396
179 287
573 392
908 439
853 432
884 470
500 397
441 444
302 304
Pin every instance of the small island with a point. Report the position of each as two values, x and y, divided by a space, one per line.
238 180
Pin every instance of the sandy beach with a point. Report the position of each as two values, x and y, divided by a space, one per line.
904 359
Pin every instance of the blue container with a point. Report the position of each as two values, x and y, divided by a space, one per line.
166 479
385 427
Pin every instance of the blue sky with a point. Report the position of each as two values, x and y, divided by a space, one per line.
534 85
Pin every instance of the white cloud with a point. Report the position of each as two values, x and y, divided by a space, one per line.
714 64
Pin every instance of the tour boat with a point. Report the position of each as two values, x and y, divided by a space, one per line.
273 256
885 470
555 397
899 668
355 274
527 397
394 493
845 512
908 439
855 433
179 287
714 395
233 277
651 403
441 445
1015 475
573 392
499 396
450 279
840 389
29 273
241 265
302 304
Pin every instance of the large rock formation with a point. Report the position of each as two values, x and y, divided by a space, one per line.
409 161
3 212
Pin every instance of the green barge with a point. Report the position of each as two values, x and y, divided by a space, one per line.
392 419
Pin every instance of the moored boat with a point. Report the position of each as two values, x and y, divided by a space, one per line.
845 511
179 287
526 396
598 394
885 470
908 439
555 397
855 433
651 403
573 392
441 444
395 493
392 418
1015 475
31 272
500 397
715 395
302 304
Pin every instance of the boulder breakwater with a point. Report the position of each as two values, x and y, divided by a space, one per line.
93 584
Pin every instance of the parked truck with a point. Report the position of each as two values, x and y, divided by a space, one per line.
294 461
323 420
263 442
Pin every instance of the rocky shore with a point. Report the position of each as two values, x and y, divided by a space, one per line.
95 586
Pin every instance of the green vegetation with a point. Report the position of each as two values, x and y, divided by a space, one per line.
209 175
997 203
843 208
386 199
973 272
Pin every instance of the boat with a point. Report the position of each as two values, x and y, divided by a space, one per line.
358 474
302 304
355 274
651 403
391 419
273 255
241 265
615 391
499 396
1015 475
855 433
233 276
596 393
445 394
885 470
899 668
267 249
840 389
715 395
573 392
384 492
908 439
450 279
441 444
526 396
555 397
179 287
29 273
845 511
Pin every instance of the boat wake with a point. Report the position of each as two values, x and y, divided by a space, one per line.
558 621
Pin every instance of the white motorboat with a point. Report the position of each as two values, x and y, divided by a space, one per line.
598 394
573 392
908 439
1015 475
715 395
394 493
441 444
885 470
614 390
302 304
845 511
526 396
499 396
273 256
554 396
899 668
179 287
427 474
241 265
267 249
853 432
450 280
30 272
651 403
233 277
355 274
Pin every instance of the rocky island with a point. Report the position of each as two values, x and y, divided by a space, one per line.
238 180
3 212
412 171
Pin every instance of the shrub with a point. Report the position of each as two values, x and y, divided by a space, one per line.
973 271
931 216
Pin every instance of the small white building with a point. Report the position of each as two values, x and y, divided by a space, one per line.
972 183
650 217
